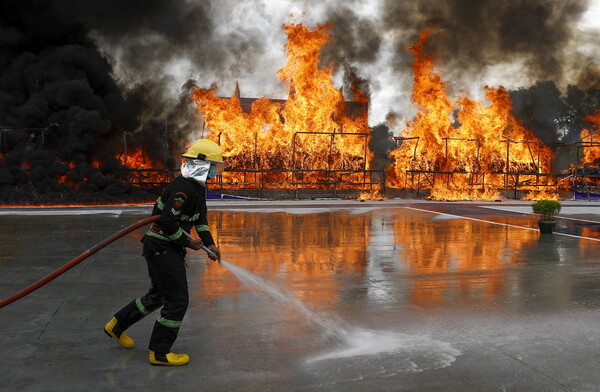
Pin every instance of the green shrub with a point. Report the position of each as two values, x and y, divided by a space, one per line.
546 209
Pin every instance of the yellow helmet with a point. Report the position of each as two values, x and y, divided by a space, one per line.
205 149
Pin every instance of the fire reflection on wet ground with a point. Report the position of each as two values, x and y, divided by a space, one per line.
405 256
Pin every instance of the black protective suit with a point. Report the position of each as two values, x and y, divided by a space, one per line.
181 206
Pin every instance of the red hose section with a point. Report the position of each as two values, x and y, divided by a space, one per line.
76 260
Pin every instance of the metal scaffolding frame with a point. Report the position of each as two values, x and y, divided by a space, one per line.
296 179
418 180
585 179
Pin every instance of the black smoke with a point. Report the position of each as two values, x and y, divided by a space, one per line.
470 35
557 117
64 118
354 38
59 108
381 143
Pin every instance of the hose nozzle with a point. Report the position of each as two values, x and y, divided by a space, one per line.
210 252
204 248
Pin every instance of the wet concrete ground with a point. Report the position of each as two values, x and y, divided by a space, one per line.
333 296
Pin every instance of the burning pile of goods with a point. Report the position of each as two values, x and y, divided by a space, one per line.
318 138
311 139
468 156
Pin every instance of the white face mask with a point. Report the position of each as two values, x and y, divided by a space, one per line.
212 173
196 169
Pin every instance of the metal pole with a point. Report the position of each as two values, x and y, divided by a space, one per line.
365 161
537 177
255 150
574 184
506 167
165 151
538 156
125 147
415 150
575 171
446 142
329 162
330 158
254 158
294 151
294 164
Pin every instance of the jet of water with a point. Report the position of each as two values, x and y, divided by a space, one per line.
357 344
253 281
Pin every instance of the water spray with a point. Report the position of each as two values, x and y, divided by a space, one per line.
352 348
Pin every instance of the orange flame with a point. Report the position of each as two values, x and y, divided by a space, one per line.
375 194
471 160
544 194
64 179
309 131
138 160
591 155
591 150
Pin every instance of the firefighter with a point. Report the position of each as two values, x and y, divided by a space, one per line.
181 206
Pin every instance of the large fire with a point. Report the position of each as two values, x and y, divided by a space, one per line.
461 150
309 139
591 152
145 171
472 156
587 171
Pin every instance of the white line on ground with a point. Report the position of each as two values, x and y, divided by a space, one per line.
565 210
58 211
501 224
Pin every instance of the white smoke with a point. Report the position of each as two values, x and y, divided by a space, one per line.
247 46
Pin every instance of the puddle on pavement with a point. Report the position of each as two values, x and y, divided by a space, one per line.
377 258
356 353
343 263
357 294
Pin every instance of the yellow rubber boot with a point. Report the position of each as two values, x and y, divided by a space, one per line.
170 359
123 340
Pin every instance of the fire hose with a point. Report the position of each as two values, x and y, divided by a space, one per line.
76 260
48 278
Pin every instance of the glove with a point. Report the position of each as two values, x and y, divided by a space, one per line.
216 251
195 244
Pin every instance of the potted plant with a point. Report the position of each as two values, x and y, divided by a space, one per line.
547 210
